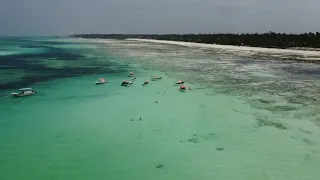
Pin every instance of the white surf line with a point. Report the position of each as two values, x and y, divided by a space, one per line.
233 48
264 82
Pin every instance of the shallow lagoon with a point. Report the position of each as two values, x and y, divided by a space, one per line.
243 118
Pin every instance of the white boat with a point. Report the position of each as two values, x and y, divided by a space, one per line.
155 78
126 83
101 81
182 88
24 92
179 82
131 74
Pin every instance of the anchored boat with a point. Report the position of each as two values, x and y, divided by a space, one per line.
155 78
126 83
182 88
101 81
24 92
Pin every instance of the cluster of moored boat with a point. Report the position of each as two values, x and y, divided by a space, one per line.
29 91
153 78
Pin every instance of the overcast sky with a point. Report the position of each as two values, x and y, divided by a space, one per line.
63 17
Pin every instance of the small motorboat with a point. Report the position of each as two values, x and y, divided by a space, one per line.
126 83
145 82
182 88
24 92
131 74
179 82
101 81
155 78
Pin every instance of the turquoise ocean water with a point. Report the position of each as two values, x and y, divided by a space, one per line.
243 119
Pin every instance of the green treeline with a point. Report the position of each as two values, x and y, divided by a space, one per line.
270 40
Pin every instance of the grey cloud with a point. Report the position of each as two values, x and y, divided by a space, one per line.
61 17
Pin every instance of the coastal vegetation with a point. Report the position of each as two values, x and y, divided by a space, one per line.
268 40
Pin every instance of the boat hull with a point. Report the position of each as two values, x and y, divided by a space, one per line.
103 82
22 95
155 79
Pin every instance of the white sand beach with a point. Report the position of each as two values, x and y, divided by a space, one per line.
245 50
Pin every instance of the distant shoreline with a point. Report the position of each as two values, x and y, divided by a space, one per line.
220 45
306 41
240 49
296 54
183 43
